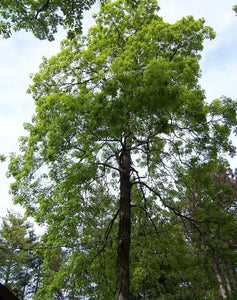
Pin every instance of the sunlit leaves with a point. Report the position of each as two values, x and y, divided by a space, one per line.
130 84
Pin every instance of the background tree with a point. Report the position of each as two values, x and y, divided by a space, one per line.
210 223
117 112
19 265
42 17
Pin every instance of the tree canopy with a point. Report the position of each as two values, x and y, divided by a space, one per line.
18 270
42 17
120 123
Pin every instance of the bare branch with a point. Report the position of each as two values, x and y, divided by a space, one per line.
109 166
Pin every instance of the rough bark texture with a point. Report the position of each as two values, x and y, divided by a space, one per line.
122 283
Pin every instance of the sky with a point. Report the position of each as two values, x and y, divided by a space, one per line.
21 55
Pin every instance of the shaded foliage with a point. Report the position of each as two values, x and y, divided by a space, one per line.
19 266
42 17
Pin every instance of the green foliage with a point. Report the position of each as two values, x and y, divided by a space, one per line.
19 266
2 158
42 17
130 84
235 9
209 207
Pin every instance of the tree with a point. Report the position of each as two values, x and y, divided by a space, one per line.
18 264
41 17
210 223
117 112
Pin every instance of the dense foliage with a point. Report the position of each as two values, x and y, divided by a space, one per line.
119 162
19 267
42 17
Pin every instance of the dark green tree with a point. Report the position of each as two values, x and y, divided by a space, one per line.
117 112
19 266
42 17
209 219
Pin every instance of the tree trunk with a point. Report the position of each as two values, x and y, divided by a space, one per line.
123 276
219 278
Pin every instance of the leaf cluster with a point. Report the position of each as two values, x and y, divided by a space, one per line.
41 17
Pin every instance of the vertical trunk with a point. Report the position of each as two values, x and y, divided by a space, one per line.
231 279
122 283
219 278
221 286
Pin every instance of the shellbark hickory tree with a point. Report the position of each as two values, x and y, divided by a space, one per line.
119 113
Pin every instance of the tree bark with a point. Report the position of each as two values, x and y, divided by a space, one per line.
124 234
219 279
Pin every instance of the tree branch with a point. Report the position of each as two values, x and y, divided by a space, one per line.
175 51
109 166
106 235
43 8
